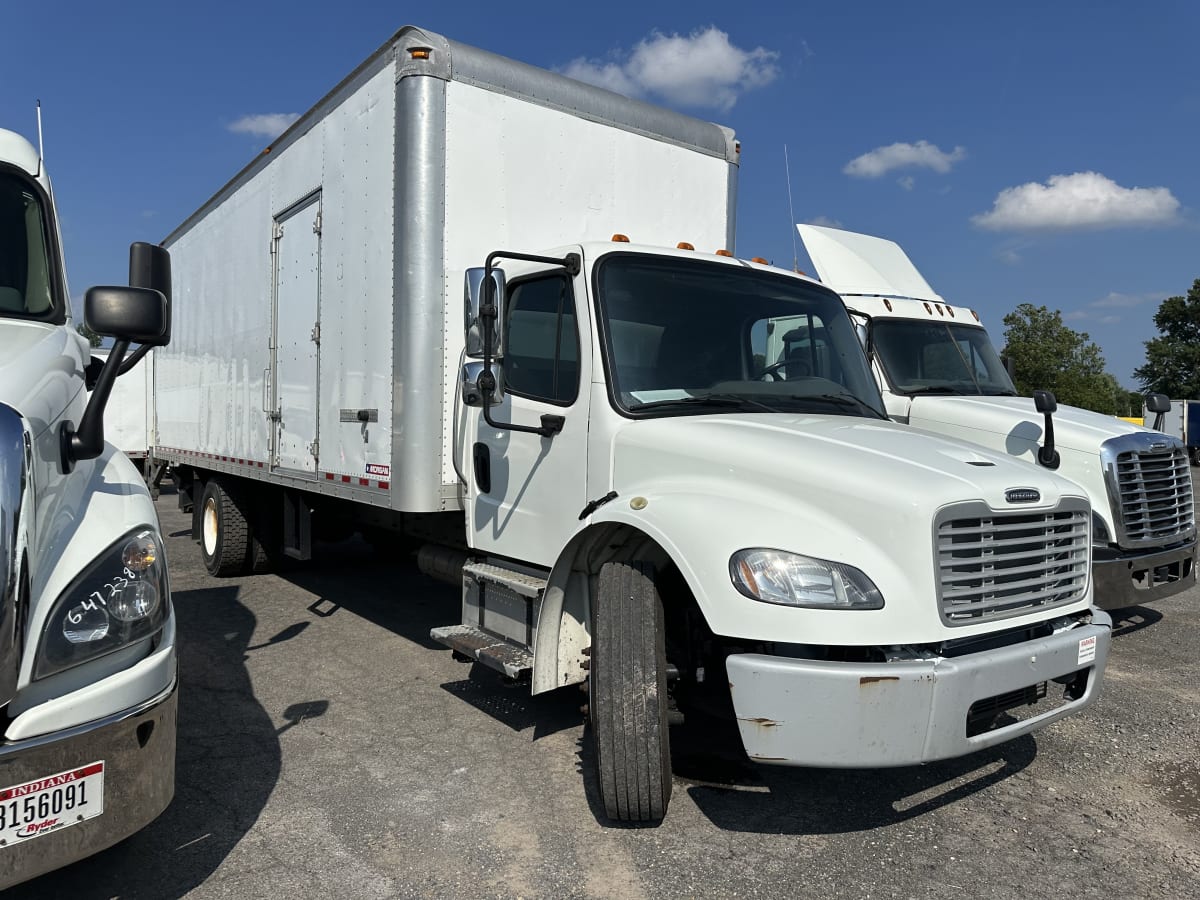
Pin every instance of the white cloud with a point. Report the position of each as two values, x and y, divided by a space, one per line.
267 125
1116 300
824 222
701 70
1087 315
1008 256
906 182
921 155
1082 200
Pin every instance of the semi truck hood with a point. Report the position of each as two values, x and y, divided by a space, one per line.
39 370
1016 421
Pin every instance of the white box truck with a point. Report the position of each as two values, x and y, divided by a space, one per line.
1179 418
938 370
87 636
410 314
128 415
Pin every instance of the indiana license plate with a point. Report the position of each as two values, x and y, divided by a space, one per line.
52 803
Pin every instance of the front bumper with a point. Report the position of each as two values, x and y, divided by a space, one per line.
138 750
804 712
1131 580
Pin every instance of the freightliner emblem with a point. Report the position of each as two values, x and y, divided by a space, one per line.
1159 445
1022 495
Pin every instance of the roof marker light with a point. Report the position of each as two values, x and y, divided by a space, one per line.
950 309
938 307
975 314
928 309
759 260
620 239
419 52
684 245
724 253
887 303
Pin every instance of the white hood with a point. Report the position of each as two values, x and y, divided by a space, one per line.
852 263
866 493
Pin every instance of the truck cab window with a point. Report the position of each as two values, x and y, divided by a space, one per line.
688 337
937 356
24 264
541 359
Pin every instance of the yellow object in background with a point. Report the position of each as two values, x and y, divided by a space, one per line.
1136 420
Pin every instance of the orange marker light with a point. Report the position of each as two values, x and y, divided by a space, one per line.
620 239
759 260
684 245
419 52
724 253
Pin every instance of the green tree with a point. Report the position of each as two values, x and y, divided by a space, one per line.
93 338
1173 358
1049 356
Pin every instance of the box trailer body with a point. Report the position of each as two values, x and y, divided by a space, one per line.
87 634
410 314
1182 420
128 417
938 370
404 175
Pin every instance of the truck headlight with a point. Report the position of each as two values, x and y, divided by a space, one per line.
774 576
1100 537
120 598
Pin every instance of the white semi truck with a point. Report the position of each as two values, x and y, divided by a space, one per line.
937 370
87 635
587 435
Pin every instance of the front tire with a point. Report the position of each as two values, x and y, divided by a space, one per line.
628 694
224 532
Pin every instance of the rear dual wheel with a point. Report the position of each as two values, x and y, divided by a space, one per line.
224 530
628 694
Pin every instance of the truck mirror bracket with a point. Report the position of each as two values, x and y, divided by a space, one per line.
1046 403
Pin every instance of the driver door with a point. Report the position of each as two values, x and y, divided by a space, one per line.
525 491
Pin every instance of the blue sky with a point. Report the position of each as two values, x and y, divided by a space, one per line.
1019 152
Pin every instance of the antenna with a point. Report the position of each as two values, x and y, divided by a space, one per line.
41 152
791 213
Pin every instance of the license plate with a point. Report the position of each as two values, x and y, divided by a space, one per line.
52 803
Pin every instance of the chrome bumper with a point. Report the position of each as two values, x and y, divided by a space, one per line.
1136 579
803 712
138 749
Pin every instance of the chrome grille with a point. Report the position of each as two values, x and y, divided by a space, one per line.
997 563
1155 496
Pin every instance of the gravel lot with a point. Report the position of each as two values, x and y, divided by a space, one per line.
327 748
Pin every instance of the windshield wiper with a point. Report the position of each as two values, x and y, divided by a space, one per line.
933 389
847 401
723 401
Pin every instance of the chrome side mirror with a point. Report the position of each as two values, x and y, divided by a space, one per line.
472 391
475 317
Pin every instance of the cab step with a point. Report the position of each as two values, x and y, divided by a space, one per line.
493 651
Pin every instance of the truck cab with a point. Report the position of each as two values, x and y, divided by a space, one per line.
938 370
661 510
87 635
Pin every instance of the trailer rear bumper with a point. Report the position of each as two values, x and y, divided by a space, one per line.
1133 579
804 712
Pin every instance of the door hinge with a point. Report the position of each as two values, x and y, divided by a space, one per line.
317 224
277 231
316 333
274 415
315 449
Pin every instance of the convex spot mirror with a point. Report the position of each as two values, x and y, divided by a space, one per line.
150 267
474 297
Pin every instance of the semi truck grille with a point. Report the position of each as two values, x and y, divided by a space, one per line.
999 564
1155 496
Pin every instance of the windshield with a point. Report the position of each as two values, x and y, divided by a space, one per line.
24 264
691 337
938 357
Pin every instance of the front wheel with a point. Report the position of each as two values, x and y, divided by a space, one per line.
224 532
628 694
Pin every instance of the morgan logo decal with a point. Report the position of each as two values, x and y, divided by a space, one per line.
1022 495
378 470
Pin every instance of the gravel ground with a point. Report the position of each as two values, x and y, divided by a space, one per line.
327 748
